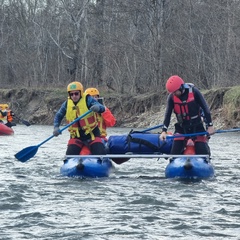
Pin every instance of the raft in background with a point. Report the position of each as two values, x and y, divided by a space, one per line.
4 130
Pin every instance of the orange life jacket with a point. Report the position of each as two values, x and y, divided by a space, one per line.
9 116
105 119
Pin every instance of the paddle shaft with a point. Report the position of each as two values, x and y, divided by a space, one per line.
187 135
65 127
203 133
28 152
151 128
23 121
229 130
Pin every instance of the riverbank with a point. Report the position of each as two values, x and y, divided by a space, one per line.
223 102
149 119
38 106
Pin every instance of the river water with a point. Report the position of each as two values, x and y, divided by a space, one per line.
135 202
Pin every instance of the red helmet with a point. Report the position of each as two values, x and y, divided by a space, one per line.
174 83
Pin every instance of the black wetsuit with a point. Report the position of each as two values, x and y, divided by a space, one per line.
184 126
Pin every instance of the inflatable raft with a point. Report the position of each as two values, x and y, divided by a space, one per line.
119 145
86 167
121 148
4 130
189 168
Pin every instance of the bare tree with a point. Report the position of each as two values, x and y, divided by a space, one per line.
122 46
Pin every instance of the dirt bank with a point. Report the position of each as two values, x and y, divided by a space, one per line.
39 106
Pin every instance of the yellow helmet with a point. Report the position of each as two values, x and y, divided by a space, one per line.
5 106
92 91
75 86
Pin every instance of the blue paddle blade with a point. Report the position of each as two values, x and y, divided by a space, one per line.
26 153
29 152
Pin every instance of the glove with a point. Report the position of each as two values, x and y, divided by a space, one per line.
163 136
95 108
210 130
56 131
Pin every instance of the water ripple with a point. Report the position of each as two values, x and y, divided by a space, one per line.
135 202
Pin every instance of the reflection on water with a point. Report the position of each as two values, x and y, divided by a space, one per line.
135 202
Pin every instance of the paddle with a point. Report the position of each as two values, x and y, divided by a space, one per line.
229 130
28 152
23 121
121 158
203 133
187 135
151 128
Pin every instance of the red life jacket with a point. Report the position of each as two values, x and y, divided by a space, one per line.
188 109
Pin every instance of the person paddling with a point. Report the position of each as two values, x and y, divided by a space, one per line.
86 131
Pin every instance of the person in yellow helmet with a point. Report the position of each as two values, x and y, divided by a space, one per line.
105 119
85 132
6 115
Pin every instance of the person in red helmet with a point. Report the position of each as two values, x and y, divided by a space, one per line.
187 103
